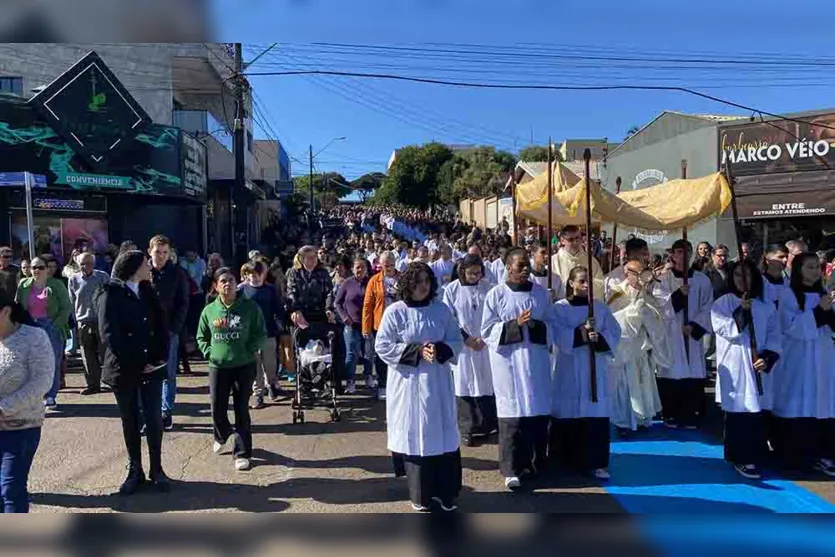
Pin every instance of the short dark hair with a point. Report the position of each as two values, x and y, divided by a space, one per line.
159 240
569 229
220 272
635 244
682 244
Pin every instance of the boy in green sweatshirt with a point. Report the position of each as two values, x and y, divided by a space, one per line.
230 333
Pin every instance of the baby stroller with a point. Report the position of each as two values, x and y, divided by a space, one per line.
316 380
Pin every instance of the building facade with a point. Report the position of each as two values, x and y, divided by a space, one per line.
654 155
166 171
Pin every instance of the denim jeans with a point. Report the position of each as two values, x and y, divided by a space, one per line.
56 338
17 450
355 353
169 386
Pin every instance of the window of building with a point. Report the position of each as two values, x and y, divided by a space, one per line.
249 141
11 85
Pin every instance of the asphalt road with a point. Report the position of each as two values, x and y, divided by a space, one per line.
318 466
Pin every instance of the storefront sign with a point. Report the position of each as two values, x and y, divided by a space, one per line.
644 179
781 195
779 146
86 181
788 210
17 180
91 110
194 163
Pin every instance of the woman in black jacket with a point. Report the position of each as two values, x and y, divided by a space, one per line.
134 335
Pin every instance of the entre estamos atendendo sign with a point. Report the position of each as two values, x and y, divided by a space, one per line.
779 145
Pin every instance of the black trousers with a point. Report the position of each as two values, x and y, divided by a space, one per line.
91 353
682 400
433 476
799 442
745 437
238 382
580 444
144 401
477 415
523 445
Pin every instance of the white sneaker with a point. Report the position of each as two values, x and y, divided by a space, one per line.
825 465
371 382
350 388
748 471
217 447
512 483
242 464
601 474
381 394
420 508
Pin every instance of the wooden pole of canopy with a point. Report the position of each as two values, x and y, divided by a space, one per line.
590 276
550 215
686 310
747 290
516 221
614 232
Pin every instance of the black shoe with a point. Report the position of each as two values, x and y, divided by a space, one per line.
258 404
136 477
274 393
160 482
167 422
90 391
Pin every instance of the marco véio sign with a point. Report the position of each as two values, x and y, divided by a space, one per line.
91 110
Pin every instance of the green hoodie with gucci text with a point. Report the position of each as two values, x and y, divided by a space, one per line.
230 336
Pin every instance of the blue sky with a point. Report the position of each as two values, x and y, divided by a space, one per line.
530 41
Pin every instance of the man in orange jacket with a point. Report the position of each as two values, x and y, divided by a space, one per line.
379 294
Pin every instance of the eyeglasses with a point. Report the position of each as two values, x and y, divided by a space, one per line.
38 267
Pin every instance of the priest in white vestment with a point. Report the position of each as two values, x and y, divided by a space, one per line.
570 255
644 345
418 339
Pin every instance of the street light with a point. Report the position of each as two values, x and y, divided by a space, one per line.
310 184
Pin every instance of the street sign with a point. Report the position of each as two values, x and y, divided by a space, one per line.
284 188
91 110
18 180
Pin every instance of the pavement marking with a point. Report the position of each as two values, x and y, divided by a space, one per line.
679 471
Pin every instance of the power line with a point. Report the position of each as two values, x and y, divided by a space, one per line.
540 87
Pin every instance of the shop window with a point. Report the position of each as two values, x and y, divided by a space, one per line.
11 85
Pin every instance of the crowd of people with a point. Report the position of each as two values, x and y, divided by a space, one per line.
462 336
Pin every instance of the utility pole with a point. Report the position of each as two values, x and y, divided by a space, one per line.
240 143
310 185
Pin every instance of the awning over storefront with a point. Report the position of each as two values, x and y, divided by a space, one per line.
783 195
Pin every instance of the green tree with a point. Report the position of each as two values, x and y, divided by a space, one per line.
328 188
535 153
367 184
482 172
413 178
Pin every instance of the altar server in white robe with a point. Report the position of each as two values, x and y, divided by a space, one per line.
539 271
682 385
473 379
444 266
418 339
518 327
732 317
570 255
644 345
804 386
579 437
775 281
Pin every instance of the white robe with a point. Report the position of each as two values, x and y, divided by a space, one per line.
556 284
472 370
644 345
499 271
521 371
571 392
699 302
736 381
562 262
804 386
421 412
443 272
